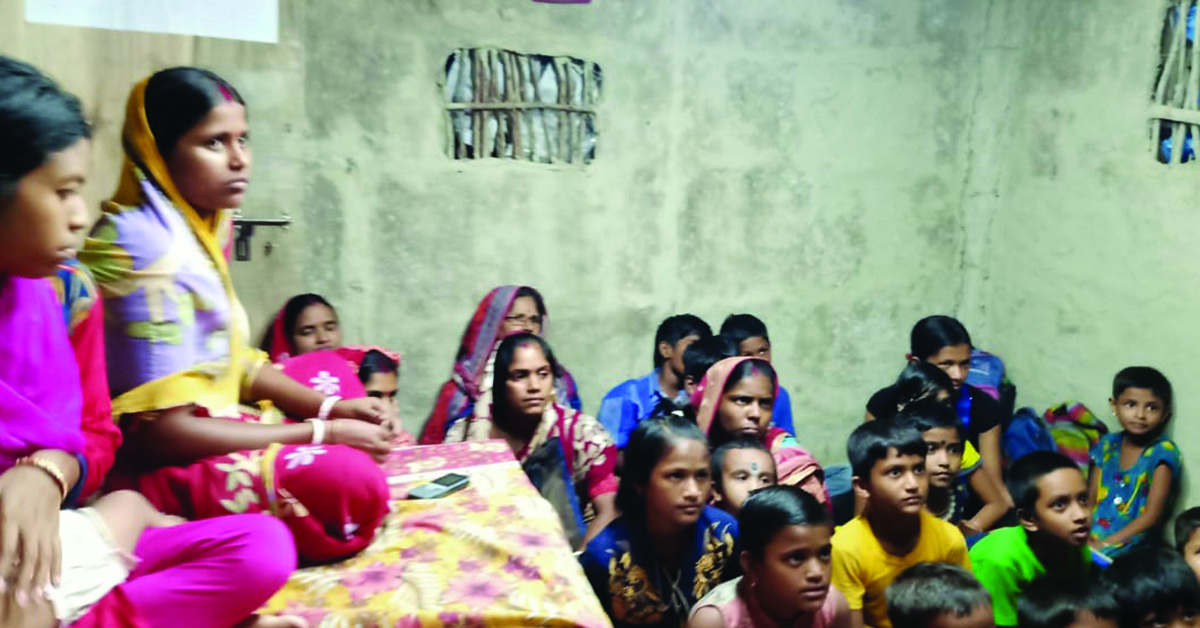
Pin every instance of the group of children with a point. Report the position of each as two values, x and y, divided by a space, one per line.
937 539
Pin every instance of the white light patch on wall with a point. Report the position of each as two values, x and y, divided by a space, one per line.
250 20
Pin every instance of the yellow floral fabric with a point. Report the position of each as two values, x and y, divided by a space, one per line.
492 554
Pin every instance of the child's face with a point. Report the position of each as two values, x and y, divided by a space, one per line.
1062 509
1085 619
383 386
944 459
981 617
1139 410
747 406
898 484
1181 618
210 165
1191 552
679 484
955 361
755 347
794 573
673 355
744 471
40 223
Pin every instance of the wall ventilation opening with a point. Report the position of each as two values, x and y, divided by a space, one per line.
1175 115
507 105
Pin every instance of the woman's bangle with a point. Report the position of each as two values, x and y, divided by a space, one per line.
52 470
318 426
327 406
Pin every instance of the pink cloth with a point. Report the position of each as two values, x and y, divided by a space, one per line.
209 574
40 398
793 464
731 601
332 497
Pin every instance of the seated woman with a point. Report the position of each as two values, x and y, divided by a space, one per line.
943 342
735 399
551 441
504 311
306 323
176 335
74 567
668 548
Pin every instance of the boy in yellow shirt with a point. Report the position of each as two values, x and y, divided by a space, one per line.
897 532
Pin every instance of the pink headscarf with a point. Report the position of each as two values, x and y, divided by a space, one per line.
793 464
707 398
40 396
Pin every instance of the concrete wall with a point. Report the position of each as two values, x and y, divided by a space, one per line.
838 168
1083 259
806 165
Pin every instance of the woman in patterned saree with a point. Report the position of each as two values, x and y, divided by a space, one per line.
504 311
567 455
176 335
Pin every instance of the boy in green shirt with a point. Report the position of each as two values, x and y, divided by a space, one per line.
1051 498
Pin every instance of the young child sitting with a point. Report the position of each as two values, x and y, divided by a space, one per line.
1154 587
1054 603
786 561
897 532
1187 539
937 595
749 335
1052 505
1133 471
739 468
944 433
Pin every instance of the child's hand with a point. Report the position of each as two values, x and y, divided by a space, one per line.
366 409
1098 544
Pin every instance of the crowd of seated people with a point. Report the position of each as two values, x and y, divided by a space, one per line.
170 474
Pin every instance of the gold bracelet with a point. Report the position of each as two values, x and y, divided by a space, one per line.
51 469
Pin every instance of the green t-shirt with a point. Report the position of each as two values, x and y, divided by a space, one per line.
1004 564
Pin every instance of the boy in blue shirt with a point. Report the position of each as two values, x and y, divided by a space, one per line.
635 400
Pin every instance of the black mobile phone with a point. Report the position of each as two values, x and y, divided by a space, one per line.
440 487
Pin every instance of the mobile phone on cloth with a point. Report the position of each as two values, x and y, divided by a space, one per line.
440 487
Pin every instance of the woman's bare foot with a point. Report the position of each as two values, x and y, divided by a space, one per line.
273 621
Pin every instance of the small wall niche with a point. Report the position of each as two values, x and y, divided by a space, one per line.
502 104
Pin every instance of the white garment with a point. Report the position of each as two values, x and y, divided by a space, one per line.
92 565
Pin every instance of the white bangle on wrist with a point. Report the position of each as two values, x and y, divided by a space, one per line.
318 427
327 406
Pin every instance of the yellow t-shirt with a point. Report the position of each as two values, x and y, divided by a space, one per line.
862 570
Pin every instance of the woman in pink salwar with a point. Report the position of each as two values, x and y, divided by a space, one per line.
120 562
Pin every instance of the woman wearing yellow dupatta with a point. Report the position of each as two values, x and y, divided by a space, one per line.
178 359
